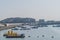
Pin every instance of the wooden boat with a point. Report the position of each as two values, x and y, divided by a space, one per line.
12 34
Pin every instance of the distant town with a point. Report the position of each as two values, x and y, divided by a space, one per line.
13 22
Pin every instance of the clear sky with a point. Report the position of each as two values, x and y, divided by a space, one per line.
38 9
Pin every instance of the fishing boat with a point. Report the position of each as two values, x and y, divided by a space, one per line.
11 34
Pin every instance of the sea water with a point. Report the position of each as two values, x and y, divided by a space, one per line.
42 33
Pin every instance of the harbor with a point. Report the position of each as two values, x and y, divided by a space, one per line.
41 33
29 20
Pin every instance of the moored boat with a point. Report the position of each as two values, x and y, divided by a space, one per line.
12 34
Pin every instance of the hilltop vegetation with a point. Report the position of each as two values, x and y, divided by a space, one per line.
18 20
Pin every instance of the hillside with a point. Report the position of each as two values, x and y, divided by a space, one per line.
17 20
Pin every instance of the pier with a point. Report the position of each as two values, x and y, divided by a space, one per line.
5 27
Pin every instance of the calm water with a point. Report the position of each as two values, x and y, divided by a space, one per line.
49 33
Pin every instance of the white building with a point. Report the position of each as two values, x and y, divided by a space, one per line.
15 24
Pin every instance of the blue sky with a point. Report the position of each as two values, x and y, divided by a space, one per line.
38 9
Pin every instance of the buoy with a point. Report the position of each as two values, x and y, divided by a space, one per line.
42 35
28 36
52 37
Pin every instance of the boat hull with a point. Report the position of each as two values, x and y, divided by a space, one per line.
15 36
19 36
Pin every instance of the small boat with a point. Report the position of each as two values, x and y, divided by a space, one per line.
25 29
34 27
56 25
12 34
14 28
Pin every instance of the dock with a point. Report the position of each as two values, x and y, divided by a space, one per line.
6 27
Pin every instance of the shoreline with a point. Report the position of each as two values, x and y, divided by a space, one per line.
6 27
